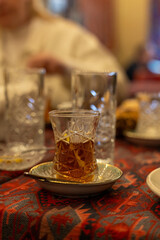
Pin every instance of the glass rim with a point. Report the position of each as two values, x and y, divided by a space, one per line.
88 72
10 69
74 113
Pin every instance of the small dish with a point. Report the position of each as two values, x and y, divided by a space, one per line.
106 176
140 139
153 181
10 161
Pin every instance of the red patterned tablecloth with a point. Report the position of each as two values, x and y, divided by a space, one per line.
129 210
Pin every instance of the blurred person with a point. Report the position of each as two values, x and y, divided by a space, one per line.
30 36
139 66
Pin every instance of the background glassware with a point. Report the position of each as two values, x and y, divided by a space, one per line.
74 133
149 114
25 105
2 105
97 91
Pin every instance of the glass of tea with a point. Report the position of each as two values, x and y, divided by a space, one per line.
74 135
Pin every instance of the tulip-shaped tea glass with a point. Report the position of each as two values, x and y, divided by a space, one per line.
74 134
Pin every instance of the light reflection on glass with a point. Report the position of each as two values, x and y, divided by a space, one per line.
111 74
93 93
30 105
93 107
31 100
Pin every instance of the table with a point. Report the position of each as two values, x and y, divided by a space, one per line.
127 211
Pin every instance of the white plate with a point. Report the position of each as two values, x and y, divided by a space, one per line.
106 176
153 181
138 138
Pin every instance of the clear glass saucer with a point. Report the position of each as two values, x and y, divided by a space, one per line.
11 160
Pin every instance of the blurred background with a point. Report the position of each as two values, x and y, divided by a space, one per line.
121 25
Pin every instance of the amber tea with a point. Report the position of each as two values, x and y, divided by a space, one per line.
74 134
76 160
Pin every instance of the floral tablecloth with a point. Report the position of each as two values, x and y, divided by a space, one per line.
129 210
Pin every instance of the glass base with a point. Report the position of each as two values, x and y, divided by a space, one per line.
83 179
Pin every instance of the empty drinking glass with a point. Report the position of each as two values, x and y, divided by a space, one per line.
24 108
24 118
149 115
97 91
